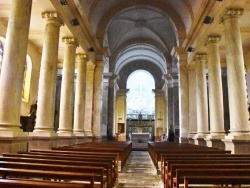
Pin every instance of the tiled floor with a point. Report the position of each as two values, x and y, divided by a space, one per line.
139 171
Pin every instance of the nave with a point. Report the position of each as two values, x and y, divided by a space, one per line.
139 171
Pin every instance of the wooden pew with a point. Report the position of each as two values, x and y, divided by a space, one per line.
165 170
110 168
169 172
21 183
122 148
60 163
52 167
204 180
181 173
84 154
88 178
175 167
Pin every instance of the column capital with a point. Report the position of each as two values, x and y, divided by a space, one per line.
200 56
179 53
231 13
211 39
121 92
81 56
53 17
70 40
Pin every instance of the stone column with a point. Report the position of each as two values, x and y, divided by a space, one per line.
111 106
192 119
121 111
217 130
89 99
46 92
105 105
12 75
238 139
201 99
97 103
79 110
160 110
170 102
181 55
67 88
239 125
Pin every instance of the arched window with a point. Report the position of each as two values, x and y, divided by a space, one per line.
141 98
27 79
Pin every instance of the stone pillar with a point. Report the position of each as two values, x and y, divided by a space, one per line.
239 124
67 88
121 111
176 105
217 131
79 110
192 111
111 106
89 99
97 103
201 99
12 75
46 92
181 55
160 111
170 101
105 105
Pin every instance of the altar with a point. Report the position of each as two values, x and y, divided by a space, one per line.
140 137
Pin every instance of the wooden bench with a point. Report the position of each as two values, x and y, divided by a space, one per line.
165 170
21 183
52 167
85 178
175 167
204 180
169 172
181 173
61 163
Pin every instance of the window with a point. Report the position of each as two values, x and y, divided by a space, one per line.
141 98
27 79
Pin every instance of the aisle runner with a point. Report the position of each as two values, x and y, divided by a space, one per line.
139 172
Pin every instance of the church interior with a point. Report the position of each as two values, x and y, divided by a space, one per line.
129 75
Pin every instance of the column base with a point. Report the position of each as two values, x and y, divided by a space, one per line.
44 134
183 140
39 142
215 143
199 139
14 145
88 133
79 134
65 134
191 137
5 133
237 144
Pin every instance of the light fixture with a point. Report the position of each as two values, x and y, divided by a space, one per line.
190 49
208 20
74 22
91 49
63 2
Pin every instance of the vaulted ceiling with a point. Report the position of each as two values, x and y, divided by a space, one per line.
127 31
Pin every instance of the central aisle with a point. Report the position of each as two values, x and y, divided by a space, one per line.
139 171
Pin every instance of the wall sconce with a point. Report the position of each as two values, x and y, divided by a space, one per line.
74 22
208 20
63 2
